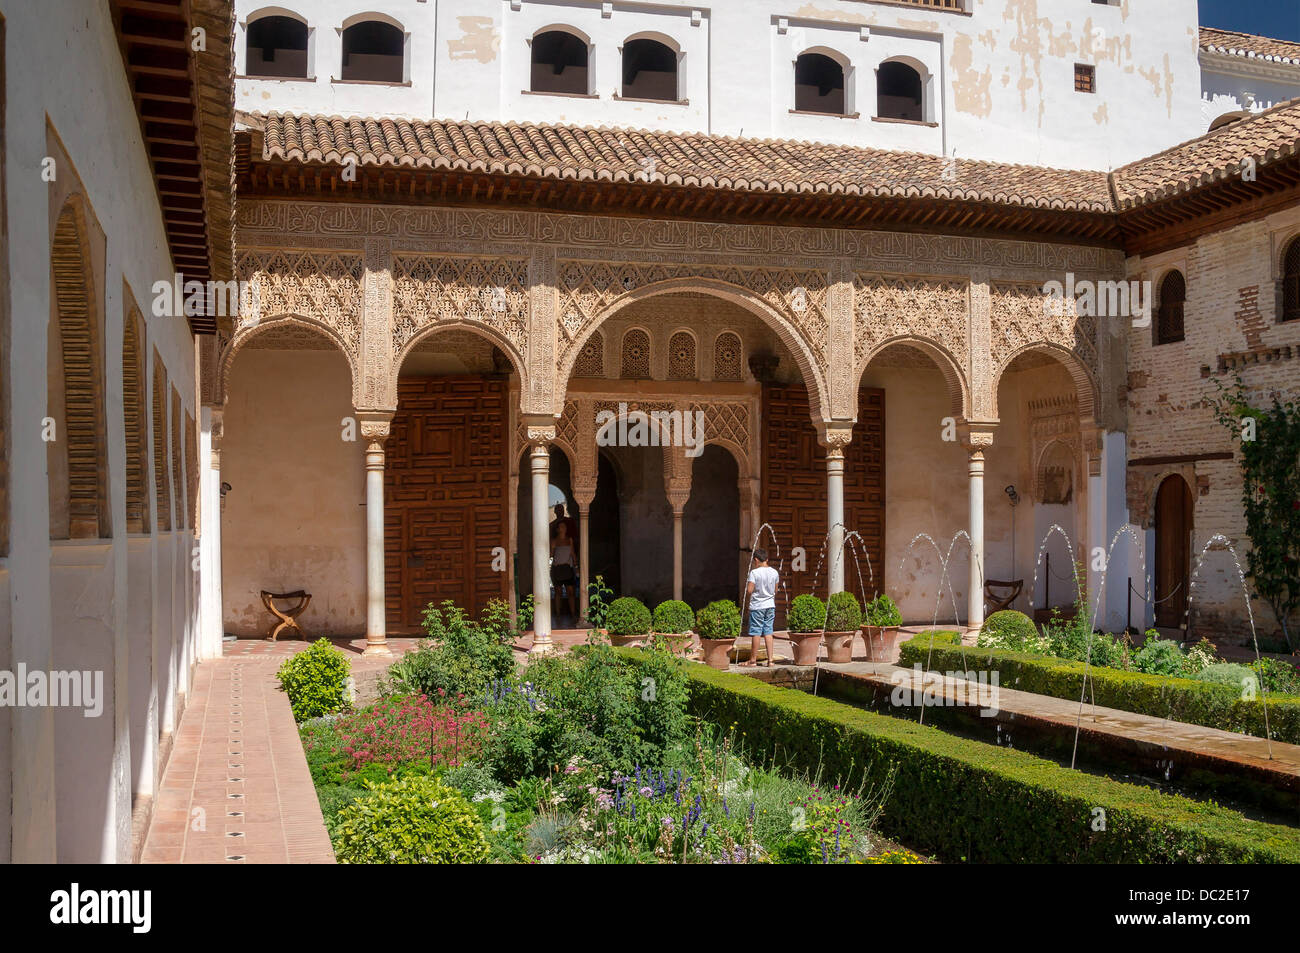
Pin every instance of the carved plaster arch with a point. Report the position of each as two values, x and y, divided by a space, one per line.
809 364
246 332
503 343
1084 385
954 374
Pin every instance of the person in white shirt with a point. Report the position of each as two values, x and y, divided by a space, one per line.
760 590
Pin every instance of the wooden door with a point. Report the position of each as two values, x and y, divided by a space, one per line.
445 497
1173 526
794 486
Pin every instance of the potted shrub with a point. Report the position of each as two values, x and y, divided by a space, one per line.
843 617
628 621
880 629
717 625
805 620
673 622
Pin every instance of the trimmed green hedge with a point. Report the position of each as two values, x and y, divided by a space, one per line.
965 800
1180 699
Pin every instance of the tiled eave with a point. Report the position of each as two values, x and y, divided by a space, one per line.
185 103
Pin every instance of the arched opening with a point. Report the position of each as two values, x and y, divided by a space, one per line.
564 589
1035 478
135 417
605 527
277 47
447 477
1291 282
899 92
1169 314
649 71
1173 530
819 84
559 64
711 528
292 455
78 482
373 52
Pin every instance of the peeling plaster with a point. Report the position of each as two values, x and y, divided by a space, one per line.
970 87
1101 117
810 12
479 40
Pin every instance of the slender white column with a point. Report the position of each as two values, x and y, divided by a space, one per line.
540 460
975 603
584 537
210 614
375 432
835 518
677 552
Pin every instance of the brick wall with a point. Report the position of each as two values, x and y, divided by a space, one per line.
1230 327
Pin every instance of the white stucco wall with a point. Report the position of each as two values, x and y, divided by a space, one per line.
999 80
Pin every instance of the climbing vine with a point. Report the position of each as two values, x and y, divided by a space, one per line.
1269 440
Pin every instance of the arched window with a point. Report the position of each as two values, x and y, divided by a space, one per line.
373 52
818 84
899 92
649 71
277 46
559 64
681 357
1169 320
636 355
135 424
1291 281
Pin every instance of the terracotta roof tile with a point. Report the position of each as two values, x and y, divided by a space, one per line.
1250 46
1217 155
690 159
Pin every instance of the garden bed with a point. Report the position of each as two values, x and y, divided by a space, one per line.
967 801
1180 699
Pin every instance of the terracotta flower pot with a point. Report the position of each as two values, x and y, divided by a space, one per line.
715 652
839 646
805 645
679 643
626 639
883 643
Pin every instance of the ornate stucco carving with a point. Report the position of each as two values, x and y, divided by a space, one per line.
491 292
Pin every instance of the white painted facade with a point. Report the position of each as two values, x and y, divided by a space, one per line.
999 81
1236 85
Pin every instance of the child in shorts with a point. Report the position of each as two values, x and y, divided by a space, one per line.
761 592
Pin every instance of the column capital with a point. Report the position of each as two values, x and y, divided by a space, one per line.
835 436
375 427
977 435
583 494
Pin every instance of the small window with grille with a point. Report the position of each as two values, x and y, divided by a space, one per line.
1085 78
1169 316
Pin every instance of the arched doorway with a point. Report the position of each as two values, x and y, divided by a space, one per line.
605 533
1173 528
711 529
560 493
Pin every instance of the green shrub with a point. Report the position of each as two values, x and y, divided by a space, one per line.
843 614
673 617
1240 677
415 820
1160 657
1278 676
941 637
316 680
807 614
627 616
965 800
1180 699
881 611
717 620
460 657
1009 629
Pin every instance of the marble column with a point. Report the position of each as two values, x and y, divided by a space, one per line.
835 440
211 624
540 466
583 495
374 430
977 441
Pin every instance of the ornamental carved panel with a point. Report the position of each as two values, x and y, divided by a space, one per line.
934 309
681 357
728 357
323 286
429 290
1022 315
590 288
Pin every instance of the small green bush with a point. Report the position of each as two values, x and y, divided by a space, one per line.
415 820
1278 676
881 611
1160 657
1239 677
718 620
316 681
843 614
460 657
807 614
673 617
1009 629
627 615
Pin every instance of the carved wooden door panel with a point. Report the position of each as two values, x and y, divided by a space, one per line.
445 482
1173 527
794 487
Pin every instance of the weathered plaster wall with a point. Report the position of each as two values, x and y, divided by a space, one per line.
999 81
293 518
